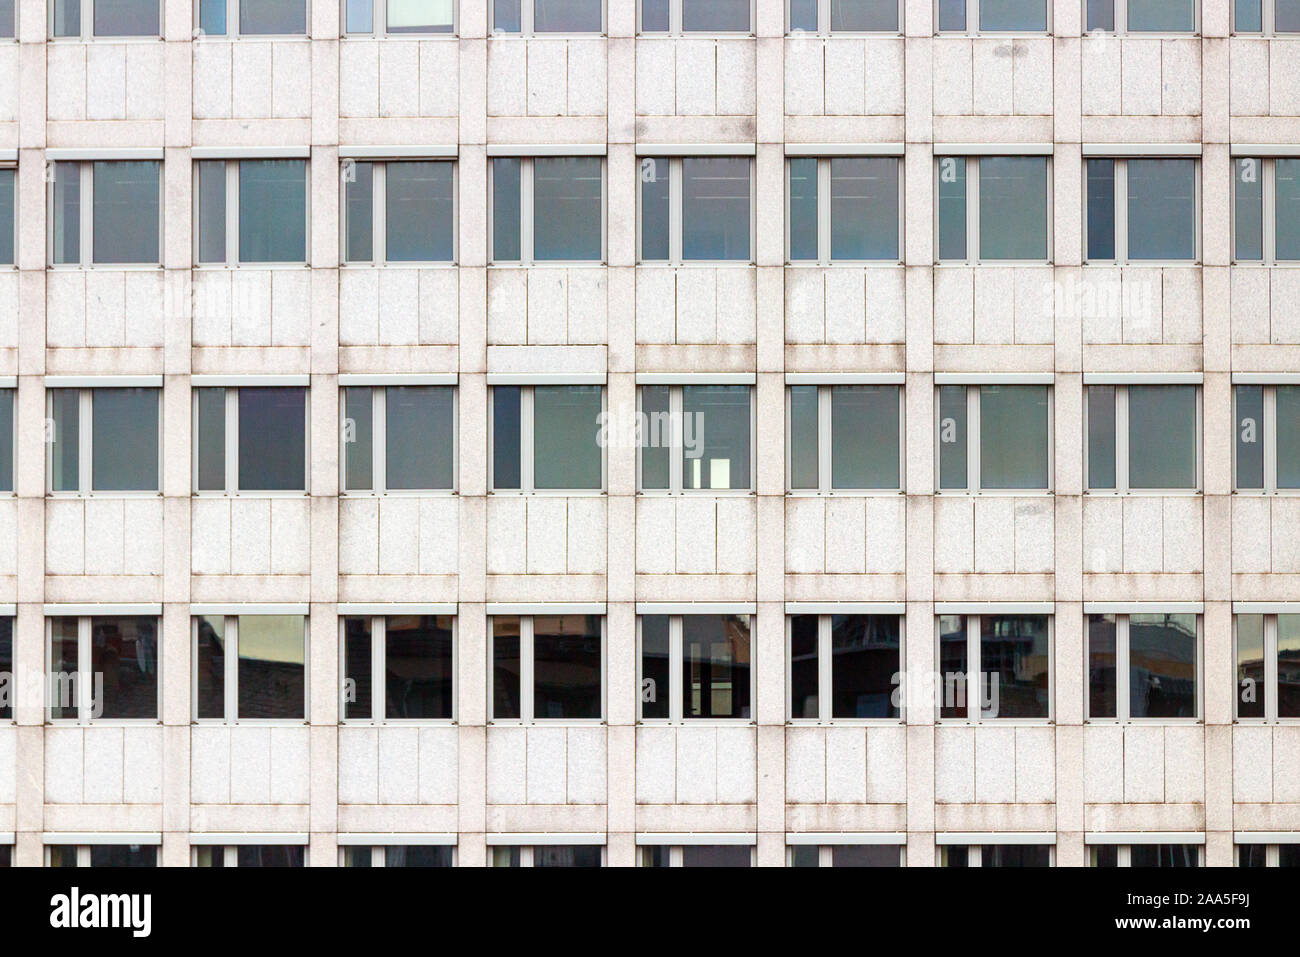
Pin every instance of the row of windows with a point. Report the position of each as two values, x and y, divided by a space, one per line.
696 666
143 18
553 438
691 209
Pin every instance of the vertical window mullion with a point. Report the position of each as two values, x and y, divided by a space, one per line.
974 682
379 438
85 212
379 214
973 438
823 211
85 440
675 200
972 209
1121 439
232 669
232 441
1269 429
1268 201
526 440
232 198
1121 200
1121 668
676 463
825 676
85 672
675 665
1270 668
378 647
825 439
526 669
526 210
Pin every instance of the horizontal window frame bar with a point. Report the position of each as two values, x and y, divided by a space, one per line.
104 837
398 153
696 838
547 378
844 149
696 149
253 381
995 378
100 609
1266 378
103 382
846 608
234 609
249 152
1143 378
237 838
994 608
358 609
347 379
74 154
854 838
696 608
950 838
525 150
994 149
1266 837
391 839
1143 608
696 378
545 838
1140 150
846 378
1144 837
535 608
1266 607
1264 150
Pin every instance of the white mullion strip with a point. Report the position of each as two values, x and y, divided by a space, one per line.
1268 197
232 441
1121 439
823 211
232 203
974 679
526 439
379 439
85 217
825 439
1120 188
85 673
379 212
1268 428
232 669
1121 668
972 210
675 665
675 201
825 676
972 438
526 668
526 211
378 654
1270 668
677 449
378 853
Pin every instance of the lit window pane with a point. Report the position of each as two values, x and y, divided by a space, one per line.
864 208
1013 15
359 211
420 16
506 668
1250 666
124 656
1287 183
211 226
864 436
420 212
566 16
126 18
1162 16
566 426
567 208
567 667
506 436
418 666
1250 436
65 440
420 437
1014 657
358 681
1288 666
210 667
67 213
656 436
1102 667
715 666
952 436
1248 209
1162 436
864 16
272 210
715 16
715 207
865 664
803 436
125 456
655 208
1162 666
1288 436
273 17
1101 436
505 209
1013 436
211 440
1013 207
1161 208
272 666
655 673
272 439
358 438
715 437
803 209
952 202
1101 209
804 676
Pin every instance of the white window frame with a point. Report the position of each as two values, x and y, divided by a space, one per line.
379 443
825 672
973 438
824 24
676 661
975 852
1268 208
824 234
826 852
527 20
675 21
86 445
232 488
379 23
230 706
1122 667
1121 23
1120 213
676 195
1122 486
1124 852
677 451
232 260
975 671
88 25
527 716
86 216
826 440
232 29
379 852
378 673
1266 434
527 210
1267 19
1269 685
379 207
527 448
973 209
85 674
973 23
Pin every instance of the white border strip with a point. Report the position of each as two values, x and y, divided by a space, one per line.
1143 607
1266 607
73 610
1141 149
249 837
1264 150
1266 837
994 608
993 149
202 609
58 153
878 838
845 378
695 149
545 838
545 608
994 378
1143 378
252 381
383 839
844 149
696 608
396 608
8 156
546 149
1266 378
696 378
995 837
6 837
250 152
399 152
546 378
8 610
846 608
399 378
696 838
1144 837
8 381
103 381
101 837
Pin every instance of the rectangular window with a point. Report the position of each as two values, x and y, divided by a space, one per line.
103 668
8 219
101 18
105 213
283 18
696 855
1266 209
8 439
377 17
1143 666
696 208
1142 437
399 212
993 208
844 437
398 855
250 439
528 17
844 16
994 437
1141 210
7 682
995 855
695 666
695 16
994 666
398 438
548 209
1267 17
103 440
1266 447
263 677
844 209
992 16
1267 656
845 855
1268 855
250 855
250 211
844 666
696 437
398 668
101 855
546 437
547 668
546 855
1140 16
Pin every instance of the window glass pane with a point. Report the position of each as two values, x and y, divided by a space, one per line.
1162 16
715 666
953 666
715 206
1163 855
656 855
865 855
505 208
269 855
566 16
1101 208
209 855
275 17
123 855
952 16
716 855
67 18
358 438
655 206
1102 680
803 16
1247 16
357 856
358 16
420 16
272 672
211 189
420 212
1162 436
210 667
715 436
1014 657
1101 436
1013 207
865 665
63 855
566 427
272 439
1162 666
505 667
656 436
67 213
805 855
803 209
1288 666
124 656
420 437
6 215
126 18
1250 436
1161 207
952 436
954 855
864 16
1016 855
125 456
654 16
418 666
272 210
6 440
63 690
505 856
211 440
1287 206
506 432
567 666
7 668
1286 16
1010 15
126 212
803 436
65 440
1101 15
7 18
358 683
566 855
1252 855
1103 855
1288 436
1248 209
864 208
212 17
1250 666
1013 436
803 667
359 200
952 199
418 855
655 674
715 16
864 436
507 16
566 208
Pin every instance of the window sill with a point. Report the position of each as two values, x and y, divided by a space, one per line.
697 723
230 267
105 267
844 493
570 35
1144 493
103 496
1139 722
1266 492
548 493
253 495
411 35
401 493
411 264
698 264
995 493
845 263
696 492
200 37
699 35
250 723
994 263
994 722
546 723
993 34
832 34
1143 263
552 264
846 723
98 39
103 723
399 723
